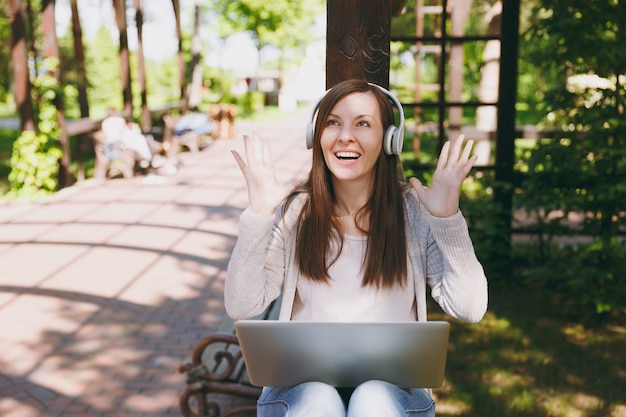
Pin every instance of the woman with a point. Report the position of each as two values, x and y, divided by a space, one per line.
353 243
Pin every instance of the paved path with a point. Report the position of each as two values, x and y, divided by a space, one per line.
106 287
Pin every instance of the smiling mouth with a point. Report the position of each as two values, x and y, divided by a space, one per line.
347 156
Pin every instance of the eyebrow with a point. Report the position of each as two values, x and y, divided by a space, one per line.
357 117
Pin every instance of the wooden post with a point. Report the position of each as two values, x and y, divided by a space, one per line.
505 145
357 40
459 12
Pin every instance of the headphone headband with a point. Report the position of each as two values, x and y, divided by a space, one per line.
393 138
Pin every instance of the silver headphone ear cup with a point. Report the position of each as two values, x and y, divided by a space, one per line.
310 131
398 141
388 143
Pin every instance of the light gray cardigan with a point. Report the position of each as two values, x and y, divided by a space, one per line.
262 264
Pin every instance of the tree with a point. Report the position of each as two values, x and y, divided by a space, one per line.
181 59
281 23
590 99
51 50
194 92
120 20
5 55
19 59
79 55
141 64
582 171
103 66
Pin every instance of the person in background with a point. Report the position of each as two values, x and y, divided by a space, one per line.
194 121
118 131
353 242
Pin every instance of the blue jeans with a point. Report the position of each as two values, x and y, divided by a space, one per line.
372 398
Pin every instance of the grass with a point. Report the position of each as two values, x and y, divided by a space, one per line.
526 360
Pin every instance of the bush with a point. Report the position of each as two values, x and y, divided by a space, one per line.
35 166
35 157
583 280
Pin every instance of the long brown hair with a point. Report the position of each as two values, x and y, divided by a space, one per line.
385 261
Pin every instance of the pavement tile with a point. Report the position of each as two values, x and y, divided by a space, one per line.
107 286
29 264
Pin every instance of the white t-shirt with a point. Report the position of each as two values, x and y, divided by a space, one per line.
343 298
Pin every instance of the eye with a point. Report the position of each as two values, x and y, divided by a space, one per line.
332 122
363 123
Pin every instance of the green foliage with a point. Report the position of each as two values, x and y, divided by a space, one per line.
487 221
574 184
35 166
281 23
161 82
7 137
103 69
5 55
250 102
35 157
583 279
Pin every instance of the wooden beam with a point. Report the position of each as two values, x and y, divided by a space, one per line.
357 40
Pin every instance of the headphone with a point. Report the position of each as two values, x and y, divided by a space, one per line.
393 138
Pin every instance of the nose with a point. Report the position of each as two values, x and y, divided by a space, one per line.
346 135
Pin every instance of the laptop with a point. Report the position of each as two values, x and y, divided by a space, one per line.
287 353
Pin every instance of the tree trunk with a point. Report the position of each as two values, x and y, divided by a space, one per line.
81 86
181 58
195 87
51 50
357 41
146 123
19 59
79 56
120 19
30 34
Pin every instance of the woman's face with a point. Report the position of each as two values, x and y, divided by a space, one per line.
351 138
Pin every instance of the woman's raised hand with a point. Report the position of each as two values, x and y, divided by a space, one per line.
441 199
264 192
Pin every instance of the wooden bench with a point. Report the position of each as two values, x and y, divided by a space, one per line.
217 367
111 159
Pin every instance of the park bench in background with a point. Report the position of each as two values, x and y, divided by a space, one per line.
217 369
87 131
111 158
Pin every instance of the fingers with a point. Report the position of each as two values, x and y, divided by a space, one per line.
467 159
257 152
257 148
467 149
442 163
451 153
455 150
264 150
242 165
416 184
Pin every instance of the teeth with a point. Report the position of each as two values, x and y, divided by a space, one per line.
347 155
